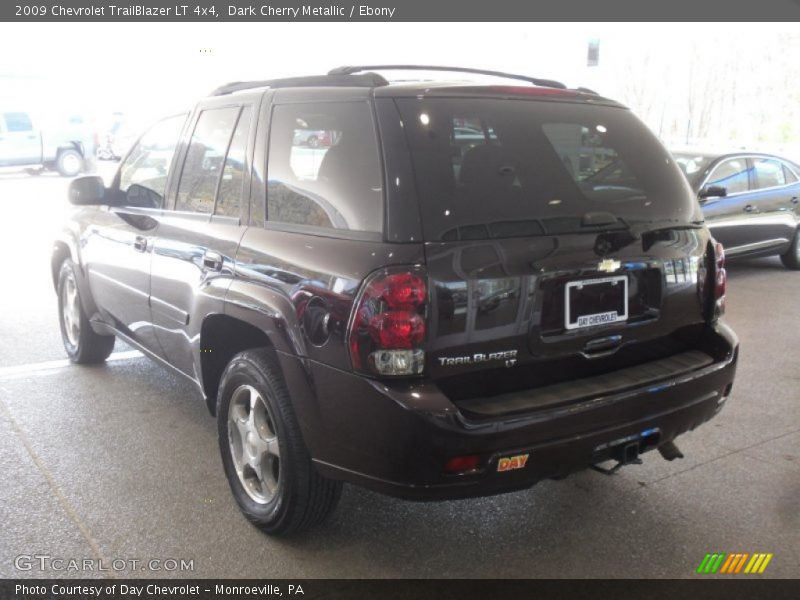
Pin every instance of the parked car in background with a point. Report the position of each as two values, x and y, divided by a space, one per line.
66 148
312 138
750 201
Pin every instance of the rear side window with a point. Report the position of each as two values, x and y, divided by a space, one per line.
769 173
205 159
324 167
17 121
492 168
732 174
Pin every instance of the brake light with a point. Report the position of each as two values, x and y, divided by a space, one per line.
388 324
720 280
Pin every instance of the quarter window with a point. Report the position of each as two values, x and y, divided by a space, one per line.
769 173
143 175
324 167
732 175
205 159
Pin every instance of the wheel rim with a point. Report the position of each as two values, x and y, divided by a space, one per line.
70 310
254 444
71 163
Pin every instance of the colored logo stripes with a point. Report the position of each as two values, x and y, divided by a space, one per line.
731 564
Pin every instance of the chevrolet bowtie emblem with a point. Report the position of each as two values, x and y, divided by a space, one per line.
609 265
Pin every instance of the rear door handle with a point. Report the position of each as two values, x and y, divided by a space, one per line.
212 260
750 208
140 243
795 200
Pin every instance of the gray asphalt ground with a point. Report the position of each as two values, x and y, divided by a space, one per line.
120 462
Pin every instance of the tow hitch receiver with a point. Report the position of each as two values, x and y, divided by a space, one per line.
625 451
629 455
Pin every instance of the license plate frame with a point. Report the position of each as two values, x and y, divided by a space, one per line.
587 320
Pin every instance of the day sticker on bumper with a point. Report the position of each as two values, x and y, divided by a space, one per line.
510 463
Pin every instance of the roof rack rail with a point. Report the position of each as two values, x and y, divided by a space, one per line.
335 80
350 70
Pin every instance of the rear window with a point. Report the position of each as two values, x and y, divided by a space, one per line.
489 168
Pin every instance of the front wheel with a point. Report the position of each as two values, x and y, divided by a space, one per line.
265 459
791 260
82 344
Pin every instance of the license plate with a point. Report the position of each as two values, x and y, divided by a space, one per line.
593 302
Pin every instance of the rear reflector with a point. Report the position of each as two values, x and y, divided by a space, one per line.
459 465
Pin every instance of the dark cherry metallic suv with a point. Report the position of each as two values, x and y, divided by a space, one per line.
466 289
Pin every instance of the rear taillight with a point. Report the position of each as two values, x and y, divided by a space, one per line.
720 280
388 324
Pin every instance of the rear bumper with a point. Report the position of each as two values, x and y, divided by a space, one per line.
396 439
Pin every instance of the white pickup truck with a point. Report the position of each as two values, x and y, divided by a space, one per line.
24 145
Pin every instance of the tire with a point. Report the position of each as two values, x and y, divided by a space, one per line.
791 260
69 162
82 344
265 459
313 142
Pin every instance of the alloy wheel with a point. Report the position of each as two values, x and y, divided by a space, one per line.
254 444
70 310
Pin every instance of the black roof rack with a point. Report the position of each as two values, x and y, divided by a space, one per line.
358 69
331 80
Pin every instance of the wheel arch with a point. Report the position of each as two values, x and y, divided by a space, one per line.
71 145
61 252
221 338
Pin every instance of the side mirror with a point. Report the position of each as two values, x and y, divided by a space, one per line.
87 191
713 191
143 197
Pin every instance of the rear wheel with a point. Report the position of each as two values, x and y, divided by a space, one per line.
82 344
265 459
791 260
69 162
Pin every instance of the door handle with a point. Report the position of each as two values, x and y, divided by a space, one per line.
140 243
212 260
795 200
749 208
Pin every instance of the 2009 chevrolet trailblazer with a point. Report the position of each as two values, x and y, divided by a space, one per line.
459 290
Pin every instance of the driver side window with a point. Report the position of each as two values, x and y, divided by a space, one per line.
143 174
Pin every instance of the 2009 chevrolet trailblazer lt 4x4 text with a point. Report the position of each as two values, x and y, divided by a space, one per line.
459 290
